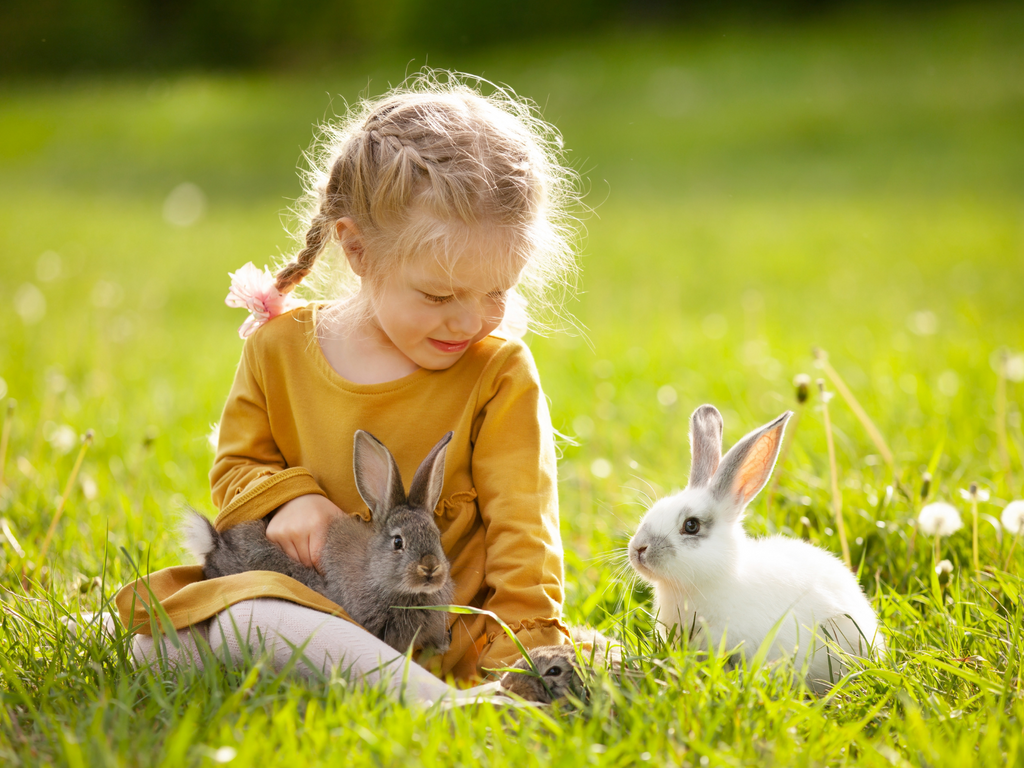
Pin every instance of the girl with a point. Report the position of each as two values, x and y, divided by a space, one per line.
441 203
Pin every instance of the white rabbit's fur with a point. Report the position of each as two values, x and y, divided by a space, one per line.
720 582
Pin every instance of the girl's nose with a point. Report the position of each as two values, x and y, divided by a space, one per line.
467 320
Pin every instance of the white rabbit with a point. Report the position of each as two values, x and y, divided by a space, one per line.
710 577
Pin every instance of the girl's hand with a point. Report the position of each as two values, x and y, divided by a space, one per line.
299 527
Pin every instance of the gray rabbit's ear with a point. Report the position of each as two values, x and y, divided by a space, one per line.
377 478
425 490
747 466
705 444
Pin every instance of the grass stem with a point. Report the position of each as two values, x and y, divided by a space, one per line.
837 499
974 533
86 442
855 406
5 438
790 437
802 383
1001 439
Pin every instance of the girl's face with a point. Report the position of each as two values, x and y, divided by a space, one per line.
434 310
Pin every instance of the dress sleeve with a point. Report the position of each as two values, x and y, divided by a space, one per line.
250 477
515 474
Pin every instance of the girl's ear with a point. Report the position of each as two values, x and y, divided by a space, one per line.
747 466
352 245
377 477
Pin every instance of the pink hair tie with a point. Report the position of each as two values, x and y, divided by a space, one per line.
256 291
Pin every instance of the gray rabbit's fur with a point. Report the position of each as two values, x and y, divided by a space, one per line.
374 571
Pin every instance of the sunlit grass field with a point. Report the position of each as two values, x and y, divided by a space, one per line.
855 184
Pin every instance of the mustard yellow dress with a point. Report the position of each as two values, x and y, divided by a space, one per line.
287 430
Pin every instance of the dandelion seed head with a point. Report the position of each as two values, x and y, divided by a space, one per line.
939 519
974 493
1013 517
214 436
802 382
825 394
63 439
89 488
944 571
1015 367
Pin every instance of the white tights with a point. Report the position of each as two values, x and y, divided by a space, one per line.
319 642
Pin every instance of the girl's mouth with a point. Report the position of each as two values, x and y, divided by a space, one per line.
449 346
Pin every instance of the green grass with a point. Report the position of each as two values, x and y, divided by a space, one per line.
756 193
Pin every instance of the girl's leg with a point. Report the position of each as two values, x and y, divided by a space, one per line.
283 628
179 649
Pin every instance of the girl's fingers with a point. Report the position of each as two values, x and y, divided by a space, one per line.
316 544
302 551
291 550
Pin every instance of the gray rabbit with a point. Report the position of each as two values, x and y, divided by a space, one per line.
558 667
374 571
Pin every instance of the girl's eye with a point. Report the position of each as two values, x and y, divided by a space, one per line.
498 295
398 543
691 526
437 299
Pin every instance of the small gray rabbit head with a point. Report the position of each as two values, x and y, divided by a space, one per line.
555 678
406 553
693 537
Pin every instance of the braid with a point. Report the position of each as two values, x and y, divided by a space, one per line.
291 274
319 232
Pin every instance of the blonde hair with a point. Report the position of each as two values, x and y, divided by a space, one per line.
423 168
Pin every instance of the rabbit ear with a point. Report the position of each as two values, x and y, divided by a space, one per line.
377 478
429 478
748 464
705 444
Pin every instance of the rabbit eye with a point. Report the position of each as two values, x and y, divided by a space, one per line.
554 671
691 526
398 543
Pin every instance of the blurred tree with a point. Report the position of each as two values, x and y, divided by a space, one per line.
66 36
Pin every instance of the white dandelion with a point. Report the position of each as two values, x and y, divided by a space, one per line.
944 570
1013 522
1013 517
214 436
974 493
63 439
939 519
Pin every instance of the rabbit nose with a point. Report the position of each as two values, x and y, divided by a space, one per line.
640 552
428 567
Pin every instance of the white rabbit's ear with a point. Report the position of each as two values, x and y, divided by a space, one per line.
425 490
705 444
747 466
377 478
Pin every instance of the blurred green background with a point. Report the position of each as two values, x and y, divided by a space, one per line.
757 182
759 178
